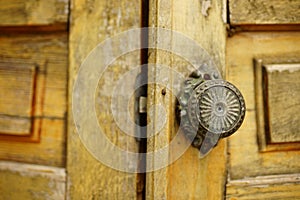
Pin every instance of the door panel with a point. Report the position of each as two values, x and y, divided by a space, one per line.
265 187
33 98
277 96
92 22
264 66
244 150
33 12
264 12
44 57
28 181
282 97
15 108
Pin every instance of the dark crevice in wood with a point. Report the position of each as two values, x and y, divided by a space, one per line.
266 104
59 27
234 29
141 192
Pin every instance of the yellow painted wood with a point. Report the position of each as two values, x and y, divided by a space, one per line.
17 86
91 23
16 98
33 12
48 54
15 125
189 177
49 149
246 159
264 109
264 12
265 187
24 181
283 90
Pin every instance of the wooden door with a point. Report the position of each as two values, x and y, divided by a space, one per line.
256 46
33 103
189 177
45 44
91 24
263 61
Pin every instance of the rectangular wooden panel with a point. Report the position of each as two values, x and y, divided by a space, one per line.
26 181
17 85
243 51
49 148
47 54
282 100
276 94
277 12
33 12
265 187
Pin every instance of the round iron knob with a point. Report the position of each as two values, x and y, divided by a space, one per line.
209 109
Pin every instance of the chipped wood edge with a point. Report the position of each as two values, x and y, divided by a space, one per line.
43 181
260 181
53 173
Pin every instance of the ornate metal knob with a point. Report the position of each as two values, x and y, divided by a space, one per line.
209 109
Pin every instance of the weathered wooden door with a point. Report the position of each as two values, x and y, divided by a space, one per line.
256 46
262 58
33 98
49 147
43 44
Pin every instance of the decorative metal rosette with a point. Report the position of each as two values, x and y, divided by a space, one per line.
209 107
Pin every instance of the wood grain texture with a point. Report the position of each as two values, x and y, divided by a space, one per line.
91 23
264 12
189 177
283 89
33 12
48 53
262 101
17 84
24 181
246 159
265 187
50 150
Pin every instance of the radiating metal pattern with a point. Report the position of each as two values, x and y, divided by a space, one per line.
219 109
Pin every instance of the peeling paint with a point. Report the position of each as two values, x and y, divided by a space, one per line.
283 67
27 181
206 4
31 170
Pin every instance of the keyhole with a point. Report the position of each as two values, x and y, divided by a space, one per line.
220 108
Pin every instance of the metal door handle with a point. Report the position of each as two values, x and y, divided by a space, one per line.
209 108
